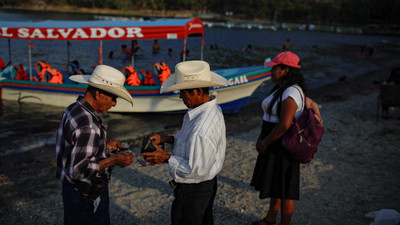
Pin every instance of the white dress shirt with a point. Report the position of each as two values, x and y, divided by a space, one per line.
199 148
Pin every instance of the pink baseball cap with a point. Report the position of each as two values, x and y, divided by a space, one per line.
286 58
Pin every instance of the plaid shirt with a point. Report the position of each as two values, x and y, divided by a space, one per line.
81 144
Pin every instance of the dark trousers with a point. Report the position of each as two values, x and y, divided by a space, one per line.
193 203
77 212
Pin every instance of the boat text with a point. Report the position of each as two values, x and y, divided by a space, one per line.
237 80
71 33
195 25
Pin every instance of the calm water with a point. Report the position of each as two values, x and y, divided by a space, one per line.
26 126
231 43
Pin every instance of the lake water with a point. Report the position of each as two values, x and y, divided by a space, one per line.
26 126
231 42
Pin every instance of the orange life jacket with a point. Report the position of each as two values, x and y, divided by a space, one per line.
163 71
132 77
56 76
2 65
47 73
148 78
41 67
21 74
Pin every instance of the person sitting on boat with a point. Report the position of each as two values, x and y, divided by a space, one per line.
19 73
132 77
74 68
162 70
148 80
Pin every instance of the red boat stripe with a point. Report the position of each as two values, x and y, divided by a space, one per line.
45 87
259 76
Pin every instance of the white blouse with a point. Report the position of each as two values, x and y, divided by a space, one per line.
296 93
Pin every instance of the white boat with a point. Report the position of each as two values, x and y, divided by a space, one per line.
243 81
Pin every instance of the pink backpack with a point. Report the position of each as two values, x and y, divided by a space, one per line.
303 137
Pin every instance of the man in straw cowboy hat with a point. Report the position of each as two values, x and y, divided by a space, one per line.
83 162
199 147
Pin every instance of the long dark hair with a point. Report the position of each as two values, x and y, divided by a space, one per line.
294 76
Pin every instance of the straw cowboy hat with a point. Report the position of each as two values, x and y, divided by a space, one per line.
192 74
107 79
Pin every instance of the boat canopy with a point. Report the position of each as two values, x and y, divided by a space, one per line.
102 29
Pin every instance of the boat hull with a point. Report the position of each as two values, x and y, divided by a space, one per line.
242 83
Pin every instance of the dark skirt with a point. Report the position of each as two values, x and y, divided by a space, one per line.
276 174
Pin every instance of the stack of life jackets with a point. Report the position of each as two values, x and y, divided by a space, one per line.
145 77
132 77
19 73
162 70
47 73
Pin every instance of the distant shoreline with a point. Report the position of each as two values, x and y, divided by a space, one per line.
211 21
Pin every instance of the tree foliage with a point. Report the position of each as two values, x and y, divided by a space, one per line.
316 11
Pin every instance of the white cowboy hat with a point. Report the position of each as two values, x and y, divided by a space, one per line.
107 79
192 74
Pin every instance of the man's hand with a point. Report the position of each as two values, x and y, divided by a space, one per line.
156 138
113 145
123 159
157 157
160 139
120 159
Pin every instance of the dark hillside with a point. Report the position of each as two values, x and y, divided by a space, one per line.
321 12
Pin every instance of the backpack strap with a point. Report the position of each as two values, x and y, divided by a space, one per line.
301 95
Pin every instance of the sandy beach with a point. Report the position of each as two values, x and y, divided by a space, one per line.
355 170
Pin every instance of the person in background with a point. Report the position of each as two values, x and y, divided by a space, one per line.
136 47
214 47
199 147
287 45
249 48
170 51
83 156
187 54
277 174
125 51
156 47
